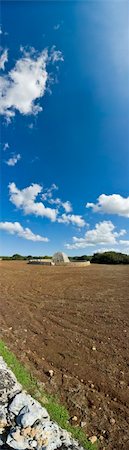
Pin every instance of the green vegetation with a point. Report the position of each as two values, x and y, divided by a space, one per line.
104 258
57 412
15 257
18 257
110 258
80 258
97 258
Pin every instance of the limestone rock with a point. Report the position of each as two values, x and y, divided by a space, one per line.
16 441
29 414
24 424
112 421
19 401
93 439
27 410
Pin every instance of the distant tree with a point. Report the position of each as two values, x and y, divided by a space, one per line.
80 258
6 258
110 258
16 256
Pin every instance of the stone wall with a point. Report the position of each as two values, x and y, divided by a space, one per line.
24 424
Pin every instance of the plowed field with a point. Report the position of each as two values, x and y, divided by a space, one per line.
75 321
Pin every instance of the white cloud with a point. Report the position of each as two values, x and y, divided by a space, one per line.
26 82
26 233
120 248
67 206
48 196
5 146
122 242
73 219
56 55
56 27
3 32
48 192
104 249
12 161
103 234
111 204
25 200
3 59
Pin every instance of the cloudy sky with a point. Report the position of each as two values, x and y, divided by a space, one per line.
64 108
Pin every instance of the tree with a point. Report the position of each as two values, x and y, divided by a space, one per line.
110 258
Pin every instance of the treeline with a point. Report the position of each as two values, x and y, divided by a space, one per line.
110 258
97 258
104 258
80 258
18 257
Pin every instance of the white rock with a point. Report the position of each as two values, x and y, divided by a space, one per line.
65 437
28 413
33 443
3 414
27 418
19 401
52 434
74 418
51 373
16 441
27 410
112 421
93 439
83 424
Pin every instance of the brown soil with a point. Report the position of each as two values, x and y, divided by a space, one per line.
75 321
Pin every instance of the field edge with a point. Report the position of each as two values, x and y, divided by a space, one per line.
58 412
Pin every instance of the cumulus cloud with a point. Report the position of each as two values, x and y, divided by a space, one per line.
26 82
13 161
65 205
122 242
121 247
26 233
25 199
65 218
6 146
111 204
105 249
102 234
48 192
48 196
56 55
74 219
3 59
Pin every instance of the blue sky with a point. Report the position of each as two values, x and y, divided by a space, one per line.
64 134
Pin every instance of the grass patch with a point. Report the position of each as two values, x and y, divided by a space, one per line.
58 412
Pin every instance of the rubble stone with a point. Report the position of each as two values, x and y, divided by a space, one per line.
24 424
